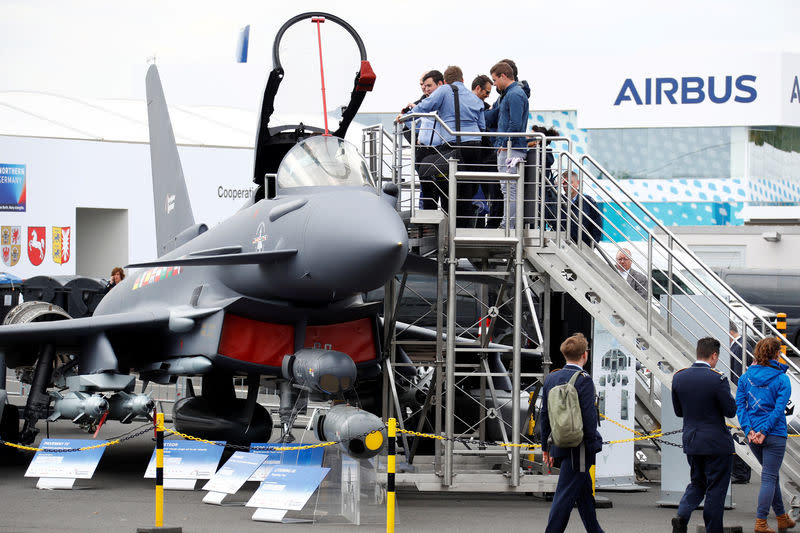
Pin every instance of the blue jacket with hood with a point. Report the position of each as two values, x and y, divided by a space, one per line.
761 399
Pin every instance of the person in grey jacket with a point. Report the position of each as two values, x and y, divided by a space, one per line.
635 279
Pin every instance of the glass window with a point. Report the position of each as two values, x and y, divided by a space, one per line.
323 161
666 153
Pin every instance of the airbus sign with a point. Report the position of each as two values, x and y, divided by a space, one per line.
689 90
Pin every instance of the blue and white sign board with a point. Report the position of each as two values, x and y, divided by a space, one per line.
57 468
233 474
285 488
186 461
307 457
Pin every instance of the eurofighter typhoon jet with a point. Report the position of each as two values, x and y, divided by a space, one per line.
273 291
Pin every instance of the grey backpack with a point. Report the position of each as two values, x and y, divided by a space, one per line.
564 410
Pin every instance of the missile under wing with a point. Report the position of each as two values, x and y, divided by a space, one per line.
275 290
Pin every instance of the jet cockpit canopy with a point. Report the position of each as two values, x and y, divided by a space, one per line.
323 161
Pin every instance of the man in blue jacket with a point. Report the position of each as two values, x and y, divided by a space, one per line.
511 116
702 397
574 483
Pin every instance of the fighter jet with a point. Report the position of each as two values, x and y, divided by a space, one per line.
275 290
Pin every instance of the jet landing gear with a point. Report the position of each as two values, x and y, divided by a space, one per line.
38 400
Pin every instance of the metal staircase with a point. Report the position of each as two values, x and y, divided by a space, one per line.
649 328
546 258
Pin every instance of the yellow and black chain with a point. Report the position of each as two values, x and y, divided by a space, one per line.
108 442
468 441
243 448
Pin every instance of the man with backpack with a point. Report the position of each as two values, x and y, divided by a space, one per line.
569 436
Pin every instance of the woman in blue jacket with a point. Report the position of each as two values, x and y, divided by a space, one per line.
761 400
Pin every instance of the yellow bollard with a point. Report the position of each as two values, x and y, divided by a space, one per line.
160 470
531 426
390 471
591 474
780 325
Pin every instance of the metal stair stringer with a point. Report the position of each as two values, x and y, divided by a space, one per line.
570 269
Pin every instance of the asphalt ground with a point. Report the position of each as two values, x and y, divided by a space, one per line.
118 498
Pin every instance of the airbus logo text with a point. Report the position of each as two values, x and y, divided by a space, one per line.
795 92
689 90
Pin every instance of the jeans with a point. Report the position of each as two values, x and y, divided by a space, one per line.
770 455
509 188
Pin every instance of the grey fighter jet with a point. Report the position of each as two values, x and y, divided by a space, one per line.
275 290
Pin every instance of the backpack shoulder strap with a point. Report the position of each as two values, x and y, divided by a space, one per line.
574 377
457 110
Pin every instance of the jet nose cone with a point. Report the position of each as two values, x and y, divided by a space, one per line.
357 243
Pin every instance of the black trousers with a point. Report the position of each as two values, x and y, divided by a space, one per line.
435 190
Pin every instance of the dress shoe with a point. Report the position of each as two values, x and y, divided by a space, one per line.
679 525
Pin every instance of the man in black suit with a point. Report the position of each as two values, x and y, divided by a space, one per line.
702 397
574 483
736 352
583 211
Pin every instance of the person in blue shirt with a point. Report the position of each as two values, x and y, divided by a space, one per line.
764 390
511 115
702 397
471 119
574 483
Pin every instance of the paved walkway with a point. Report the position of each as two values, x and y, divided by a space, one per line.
120 499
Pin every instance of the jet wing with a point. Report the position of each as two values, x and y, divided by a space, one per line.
69 330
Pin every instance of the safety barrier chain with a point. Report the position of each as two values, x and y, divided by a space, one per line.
463 440
111 442
240 447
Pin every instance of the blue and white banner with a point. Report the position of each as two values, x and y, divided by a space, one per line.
288 487
187 459
234 472
56 463
307 457
13 187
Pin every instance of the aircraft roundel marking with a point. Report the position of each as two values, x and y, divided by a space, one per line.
374 440
261 236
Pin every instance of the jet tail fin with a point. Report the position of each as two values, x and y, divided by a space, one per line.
173 211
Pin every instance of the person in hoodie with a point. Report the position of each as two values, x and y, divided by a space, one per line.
761 399
510 115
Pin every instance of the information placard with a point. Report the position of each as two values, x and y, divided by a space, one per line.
306 457
238 469
288 487
54 462
187 459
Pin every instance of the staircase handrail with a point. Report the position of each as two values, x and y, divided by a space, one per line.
682 247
